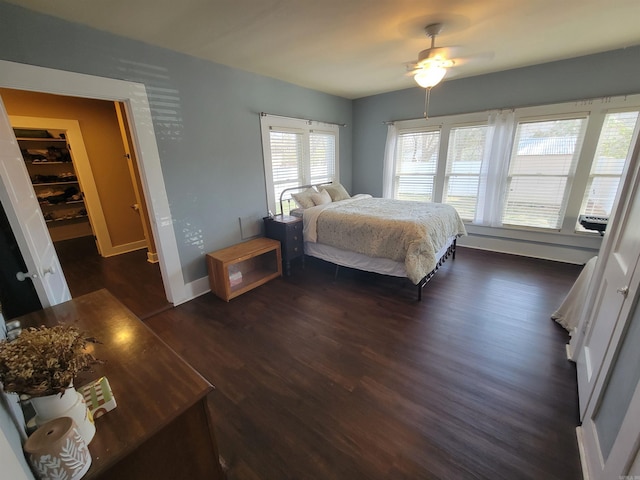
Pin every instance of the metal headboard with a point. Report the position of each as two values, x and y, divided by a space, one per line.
300 187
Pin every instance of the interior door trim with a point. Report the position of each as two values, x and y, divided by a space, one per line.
134 96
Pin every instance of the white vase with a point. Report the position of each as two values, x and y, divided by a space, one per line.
70 404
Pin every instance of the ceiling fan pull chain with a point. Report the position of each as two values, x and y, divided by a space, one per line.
426 102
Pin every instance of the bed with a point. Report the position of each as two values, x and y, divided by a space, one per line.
386 236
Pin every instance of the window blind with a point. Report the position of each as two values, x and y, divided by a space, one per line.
543 161
296 152
286 160
416 164
608 164
464 161
322 157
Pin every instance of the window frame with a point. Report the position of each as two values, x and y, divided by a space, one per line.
444 125
594 110
305 128
397 164
634 134
570 175
448 163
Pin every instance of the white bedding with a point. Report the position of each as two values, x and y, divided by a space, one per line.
399 238
310 216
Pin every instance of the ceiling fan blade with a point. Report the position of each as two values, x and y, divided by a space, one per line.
474 57
439 52
446 58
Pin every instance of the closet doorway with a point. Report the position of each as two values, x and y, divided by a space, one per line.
118 251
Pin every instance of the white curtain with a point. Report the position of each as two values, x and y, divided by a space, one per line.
495 167
389 161
570 312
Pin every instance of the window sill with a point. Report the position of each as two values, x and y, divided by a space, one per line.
583 240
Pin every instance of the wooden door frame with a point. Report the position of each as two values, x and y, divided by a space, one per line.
134 96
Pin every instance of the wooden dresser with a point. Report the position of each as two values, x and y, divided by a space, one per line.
161 428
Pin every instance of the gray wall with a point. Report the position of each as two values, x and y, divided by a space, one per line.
606 74
208 130
205 117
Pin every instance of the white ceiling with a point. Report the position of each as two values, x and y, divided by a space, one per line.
355 48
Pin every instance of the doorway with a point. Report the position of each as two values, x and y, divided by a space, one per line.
133 96
115 217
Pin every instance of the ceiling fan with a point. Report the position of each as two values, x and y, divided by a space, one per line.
432 64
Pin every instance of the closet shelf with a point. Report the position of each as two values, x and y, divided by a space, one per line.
49 184
41 139
48 163
56 185
61 204
56 220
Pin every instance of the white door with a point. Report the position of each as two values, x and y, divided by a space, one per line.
613 296
27 222
607 362
610 431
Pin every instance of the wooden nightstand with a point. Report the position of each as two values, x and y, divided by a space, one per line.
288 230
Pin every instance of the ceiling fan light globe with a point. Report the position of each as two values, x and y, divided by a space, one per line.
430 77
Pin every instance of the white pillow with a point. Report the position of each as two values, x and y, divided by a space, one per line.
321 198
303 199
336 191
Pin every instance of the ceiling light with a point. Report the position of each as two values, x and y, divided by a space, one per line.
430 76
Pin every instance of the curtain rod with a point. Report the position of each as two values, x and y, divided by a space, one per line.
264 114
582 101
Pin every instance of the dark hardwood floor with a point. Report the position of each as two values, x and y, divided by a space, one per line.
129 277
355 379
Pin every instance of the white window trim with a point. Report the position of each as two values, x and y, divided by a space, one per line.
444 125
268 122
594 109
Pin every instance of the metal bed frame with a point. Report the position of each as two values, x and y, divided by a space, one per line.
301 187
450 252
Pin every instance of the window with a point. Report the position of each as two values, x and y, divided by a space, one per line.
464 162
543 160
416 163
609 161
534 167
322 157
296 152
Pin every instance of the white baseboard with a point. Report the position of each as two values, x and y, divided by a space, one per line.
125 248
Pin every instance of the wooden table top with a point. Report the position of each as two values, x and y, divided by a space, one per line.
244 250
152 385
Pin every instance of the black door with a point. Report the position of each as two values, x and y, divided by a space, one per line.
16 298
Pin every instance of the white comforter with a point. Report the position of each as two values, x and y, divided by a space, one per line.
409 232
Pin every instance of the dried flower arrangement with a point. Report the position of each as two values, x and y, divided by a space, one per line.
44 361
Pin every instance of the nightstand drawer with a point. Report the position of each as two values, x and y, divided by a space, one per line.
293 249
293 235
288 230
